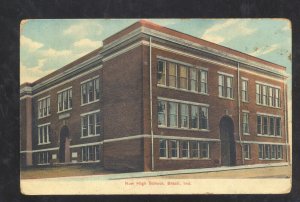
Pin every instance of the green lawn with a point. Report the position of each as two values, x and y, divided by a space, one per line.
62 171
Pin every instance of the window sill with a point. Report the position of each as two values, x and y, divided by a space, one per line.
226 98
247 134
247 159
268 106
96 161
185 159
44 117
89 136
279 137
44 143
90 102
181 89
188 129
59 112
245 101
43 164
270 159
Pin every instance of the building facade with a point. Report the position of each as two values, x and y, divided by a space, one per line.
156 99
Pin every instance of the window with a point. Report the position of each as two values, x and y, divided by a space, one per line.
90 91
277 98
194 113
174 148
246 151
90 153
203 118
272 126
163 149
44 107
90 125
162 112
203 81
264 95
267 95
279 151
268 125
173 114
225 86
265 125
258 94
65 100
271 97
269 151
184 114
204 150
245 123
185 149
194 149
222 86
260 151
244 90
43 158
161 72
172 75
193 79
43 134
278 126
259 125
273 151
183 78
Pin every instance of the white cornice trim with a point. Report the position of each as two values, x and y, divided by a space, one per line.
258 142
86 144
127 138
182 101
25 96
68 80
40 150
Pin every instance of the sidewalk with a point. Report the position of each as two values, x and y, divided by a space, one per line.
187 173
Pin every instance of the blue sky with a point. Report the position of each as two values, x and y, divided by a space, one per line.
46 45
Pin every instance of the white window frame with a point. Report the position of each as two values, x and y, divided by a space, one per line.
87 156
187 150
87 115
86 84
244 91
200 150
245 123
169 114
185 115
187 77
41 137
201 73
177 149
247 153
165 149
164 70
69 99
44 105
43 158
176 75
165 112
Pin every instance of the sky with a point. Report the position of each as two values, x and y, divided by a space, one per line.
47 45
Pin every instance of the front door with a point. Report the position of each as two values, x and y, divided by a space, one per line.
228 153
64 149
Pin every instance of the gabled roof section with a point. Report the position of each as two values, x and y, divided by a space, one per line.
201 42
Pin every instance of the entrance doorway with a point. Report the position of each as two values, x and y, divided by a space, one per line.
228 152
64 145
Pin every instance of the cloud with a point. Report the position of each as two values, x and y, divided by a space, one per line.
87 43
32 74
56 53
265 50
227 30
29 44
83 29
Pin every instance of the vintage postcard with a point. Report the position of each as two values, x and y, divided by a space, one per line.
155 106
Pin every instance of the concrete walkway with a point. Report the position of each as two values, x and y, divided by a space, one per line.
163 173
